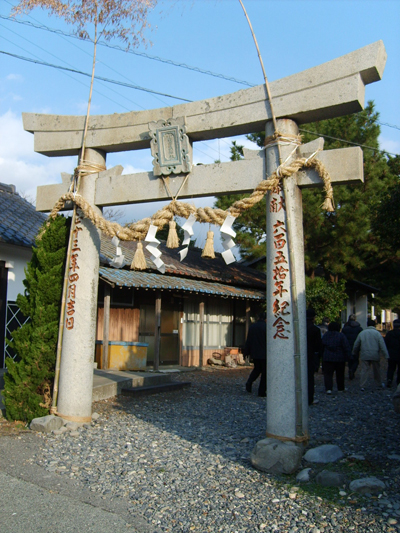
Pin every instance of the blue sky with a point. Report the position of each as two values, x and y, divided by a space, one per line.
211 35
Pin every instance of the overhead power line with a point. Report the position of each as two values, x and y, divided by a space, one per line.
389 125
115 82
133 52
69 64
348 142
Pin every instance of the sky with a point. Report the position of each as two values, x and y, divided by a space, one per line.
196 50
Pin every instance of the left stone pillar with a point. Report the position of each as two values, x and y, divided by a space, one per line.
78 344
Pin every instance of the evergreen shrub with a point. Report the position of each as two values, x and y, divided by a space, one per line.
28 383
327 298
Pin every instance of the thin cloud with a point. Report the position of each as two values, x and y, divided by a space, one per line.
389 145
15 77
20 165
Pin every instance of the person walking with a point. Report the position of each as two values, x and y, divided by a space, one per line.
314 347
369 346
256 348
324 325
392 341
351 330
336 351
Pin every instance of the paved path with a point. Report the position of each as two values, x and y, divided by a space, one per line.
35 500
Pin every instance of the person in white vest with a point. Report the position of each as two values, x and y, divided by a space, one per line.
370 346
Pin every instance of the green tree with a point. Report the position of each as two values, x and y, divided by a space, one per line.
28 383
250 226
386 214
343 243
386 227
326 298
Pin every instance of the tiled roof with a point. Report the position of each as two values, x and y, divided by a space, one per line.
19 221
146 280
193 266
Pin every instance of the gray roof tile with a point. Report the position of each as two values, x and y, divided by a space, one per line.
19 221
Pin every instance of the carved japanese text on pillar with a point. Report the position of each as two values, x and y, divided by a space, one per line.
170 147
280 271
73 276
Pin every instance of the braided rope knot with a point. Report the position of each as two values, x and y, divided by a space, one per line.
88 167
282 138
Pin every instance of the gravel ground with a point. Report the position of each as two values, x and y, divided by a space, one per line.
182 459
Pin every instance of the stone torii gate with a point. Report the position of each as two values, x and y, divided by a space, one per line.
330 90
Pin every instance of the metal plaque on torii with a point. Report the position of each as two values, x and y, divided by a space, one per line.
170 147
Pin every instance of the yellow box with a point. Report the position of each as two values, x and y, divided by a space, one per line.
123 355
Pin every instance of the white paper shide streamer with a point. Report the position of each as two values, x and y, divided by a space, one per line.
227 234
188 232
152 247
119 259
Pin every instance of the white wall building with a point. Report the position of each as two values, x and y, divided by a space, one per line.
19 224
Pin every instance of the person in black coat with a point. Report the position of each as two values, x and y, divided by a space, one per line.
351 330
336 351
256 348
314 347
392 341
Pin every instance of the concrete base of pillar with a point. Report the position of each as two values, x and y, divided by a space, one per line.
276 457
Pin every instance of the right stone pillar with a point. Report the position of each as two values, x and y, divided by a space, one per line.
287 404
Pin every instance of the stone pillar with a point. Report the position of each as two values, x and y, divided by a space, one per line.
287 404
78 345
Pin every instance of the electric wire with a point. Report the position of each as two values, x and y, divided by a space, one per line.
71 77
108 80
349 142
107 66
130 51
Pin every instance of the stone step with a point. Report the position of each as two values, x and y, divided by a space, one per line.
154 389
109 383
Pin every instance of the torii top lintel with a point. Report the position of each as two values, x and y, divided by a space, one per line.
329 90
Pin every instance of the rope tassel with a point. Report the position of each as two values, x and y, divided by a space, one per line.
328 205
172 241
139 260
208 251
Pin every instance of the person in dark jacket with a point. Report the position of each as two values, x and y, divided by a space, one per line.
392 341
314 346
323 326
336 351
256 348
351 330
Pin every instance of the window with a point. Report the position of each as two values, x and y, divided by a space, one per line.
191 323
120 296
218 323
